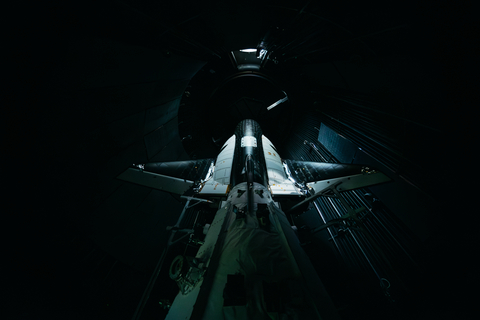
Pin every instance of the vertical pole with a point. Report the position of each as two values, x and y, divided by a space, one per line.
158 267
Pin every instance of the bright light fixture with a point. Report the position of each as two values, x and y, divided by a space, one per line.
248 50
277 103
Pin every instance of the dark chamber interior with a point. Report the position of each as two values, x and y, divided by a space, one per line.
97 86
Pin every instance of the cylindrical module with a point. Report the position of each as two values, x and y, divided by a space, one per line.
248 135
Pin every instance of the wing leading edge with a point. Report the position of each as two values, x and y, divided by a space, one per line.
320 175
175 177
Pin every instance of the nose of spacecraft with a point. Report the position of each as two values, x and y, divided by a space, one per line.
249 159
248 127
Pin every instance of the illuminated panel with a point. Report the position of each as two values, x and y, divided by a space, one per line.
223 166
249 141
277 179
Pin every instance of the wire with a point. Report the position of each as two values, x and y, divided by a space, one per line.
382 283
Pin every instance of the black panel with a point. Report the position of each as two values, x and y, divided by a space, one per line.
190 170
249 127
309 171
234 293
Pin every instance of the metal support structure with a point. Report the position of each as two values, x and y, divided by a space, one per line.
358 243
170 242
314 147
353 214
329 231
148 289
357 225
315 196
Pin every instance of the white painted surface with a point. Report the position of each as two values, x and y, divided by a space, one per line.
277 179
248 141
223 165
182 306
350 182
213 188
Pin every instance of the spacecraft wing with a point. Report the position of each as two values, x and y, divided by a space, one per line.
321 175
176 176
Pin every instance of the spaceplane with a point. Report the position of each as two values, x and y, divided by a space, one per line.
250 264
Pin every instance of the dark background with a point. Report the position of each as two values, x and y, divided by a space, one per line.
92 87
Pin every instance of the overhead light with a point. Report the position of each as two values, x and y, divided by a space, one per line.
277 103
248 66
248 50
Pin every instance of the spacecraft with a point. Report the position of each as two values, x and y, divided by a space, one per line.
250 264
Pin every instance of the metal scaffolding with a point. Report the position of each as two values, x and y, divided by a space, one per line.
366 236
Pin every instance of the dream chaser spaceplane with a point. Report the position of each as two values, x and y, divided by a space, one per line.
250 265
